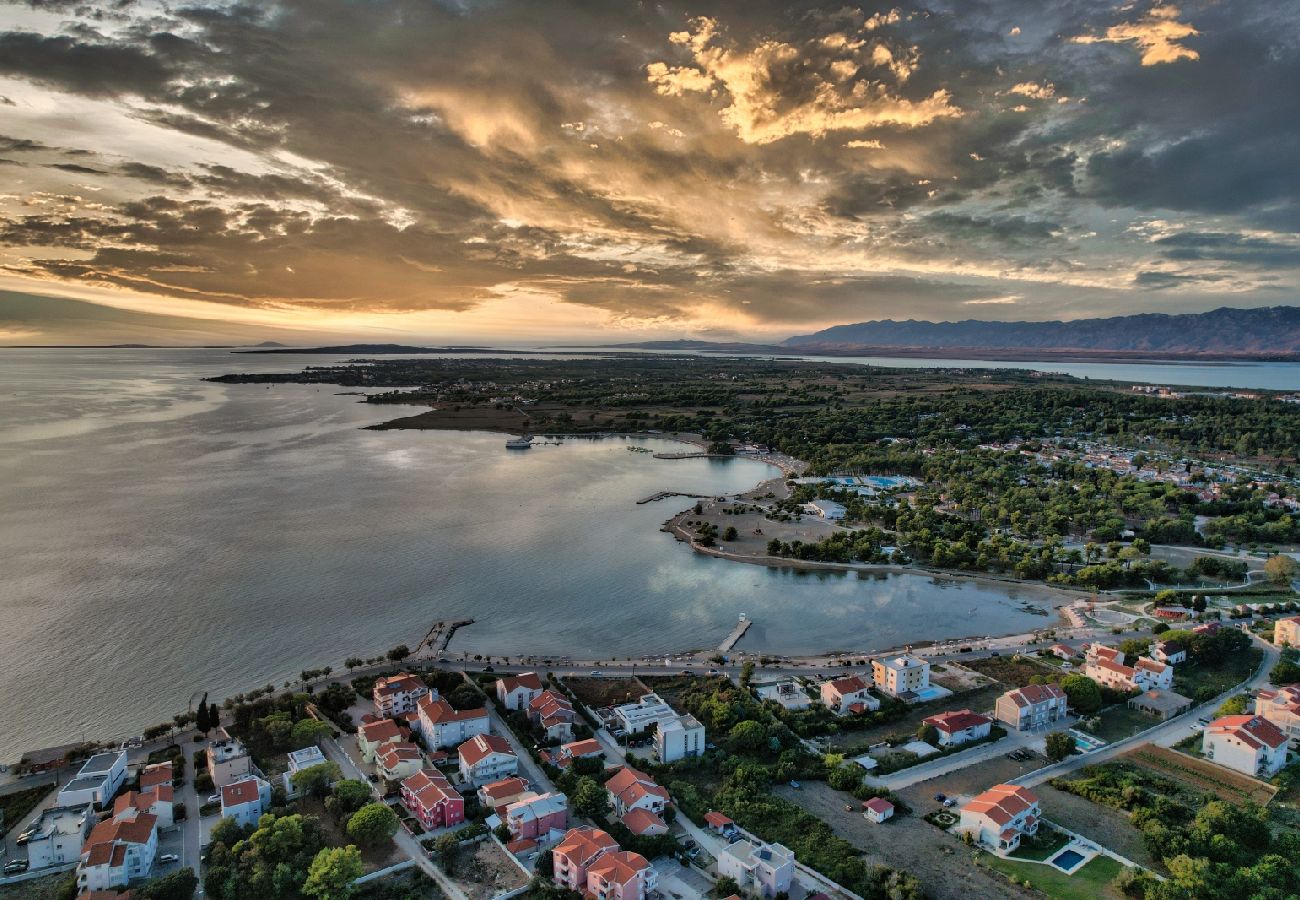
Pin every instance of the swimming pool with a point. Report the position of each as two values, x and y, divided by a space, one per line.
1067 860
1085 743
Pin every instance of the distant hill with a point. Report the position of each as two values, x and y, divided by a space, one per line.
1269 331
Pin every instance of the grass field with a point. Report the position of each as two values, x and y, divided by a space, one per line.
1201 775
1118 722
15 807
1202 682
1013 671
1092 881
48 888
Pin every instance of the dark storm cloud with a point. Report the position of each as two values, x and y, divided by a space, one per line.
779 164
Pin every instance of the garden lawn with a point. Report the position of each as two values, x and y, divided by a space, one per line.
1118 722
1092 881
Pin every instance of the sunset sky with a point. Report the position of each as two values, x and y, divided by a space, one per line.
539 171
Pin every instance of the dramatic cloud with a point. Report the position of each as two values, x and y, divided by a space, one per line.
1158 34
553 166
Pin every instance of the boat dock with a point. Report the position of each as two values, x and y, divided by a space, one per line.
664 495
736 634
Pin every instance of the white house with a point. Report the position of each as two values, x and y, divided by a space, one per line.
96 781
59 833
877 810
117 852
786 692
246 800
848 695
443 726
157 802
643 714
999 817
228 759
678 738
299 760
763 869
398 760
631 789
1170 652
1282 708
826 509
485 758
397 695
959 726
1108 669
1031 707
518 691
1251 745
900 675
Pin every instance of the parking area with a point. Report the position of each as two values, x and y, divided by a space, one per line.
681 882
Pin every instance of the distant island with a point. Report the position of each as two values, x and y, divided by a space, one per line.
1269 333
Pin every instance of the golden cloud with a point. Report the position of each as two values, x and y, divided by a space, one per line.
1158 34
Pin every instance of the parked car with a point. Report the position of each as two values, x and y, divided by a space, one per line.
939 798
796 785
25 836
18 865
688 843
594 672
215 798
169 858
950 803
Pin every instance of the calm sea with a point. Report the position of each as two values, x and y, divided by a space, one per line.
161 536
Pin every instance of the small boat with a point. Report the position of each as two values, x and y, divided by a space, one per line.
520 443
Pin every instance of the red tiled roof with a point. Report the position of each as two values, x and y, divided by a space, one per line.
879 805
438 710
957 720
1032 694
394 753
130 831
430 788
717 819
395 684
380 731
1253 731
506 787
619 866
527 680
477 748
1002 802
588 747
581 845
640 821
158 773
239 793
850 685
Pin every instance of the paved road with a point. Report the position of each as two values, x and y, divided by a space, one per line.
1015 740
1166 734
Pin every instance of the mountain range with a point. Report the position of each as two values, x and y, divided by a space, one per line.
1225 333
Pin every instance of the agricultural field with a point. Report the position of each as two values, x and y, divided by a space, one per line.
1201 775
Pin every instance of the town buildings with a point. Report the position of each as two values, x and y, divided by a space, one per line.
843 696
1106 666
621 875
1248 744
373 735
787 692
245 800
959 726
228 759
1286 632
299 760
1031 707
553 712
397 760
441 725
516 692
117 852
676 736
537 815
999 817
576 851
156 801
58 834
432 800
485 758
901 676
398 694
762 869
98 779
826 509
499 794
1282 708
1169 652
157 774
1160 704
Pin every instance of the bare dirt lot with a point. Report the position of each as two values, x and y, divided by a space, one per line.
487 872
598 692
1011 671
942 863
967 782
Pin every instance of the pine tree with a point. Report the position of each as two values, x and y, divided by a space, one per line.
203 718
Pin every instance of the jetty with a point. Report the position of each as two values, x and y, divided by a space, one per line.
440 635
664 495
736 634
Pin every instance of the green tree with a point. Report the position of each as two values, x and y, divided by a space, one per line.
1233 706
1059 745
730 533
589 798
332 873
202 719
726 886
845 777
447 846
1280 568
353 662
748 736
927 733
398 653
1083 694
307 732
179 885
373 824
315 781
747 673
346 797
